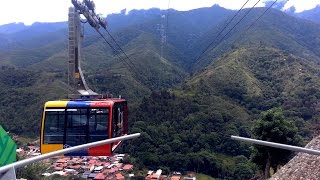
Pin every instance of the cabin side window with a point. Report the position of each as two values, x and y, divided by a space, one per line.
54 126
74 126
98 124
118 120
76 129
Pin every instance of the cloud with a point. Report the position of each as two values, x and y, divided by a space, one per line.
56 10
33 10
301 5
111 6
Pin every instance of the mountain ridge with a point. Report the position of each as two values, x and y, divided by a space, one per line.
185 109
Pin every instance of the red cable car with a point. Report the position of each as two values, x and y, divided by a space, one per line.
75 122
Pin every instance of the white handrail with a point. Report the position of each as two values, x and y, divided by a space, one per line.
277 145
24 162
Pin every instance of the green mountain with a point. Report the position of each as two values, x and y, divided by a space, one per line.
185 108
276 29
262 77
312 14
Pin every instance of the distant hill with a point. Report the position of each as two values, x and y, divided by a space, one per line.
312 14
276 29
185 108
12 28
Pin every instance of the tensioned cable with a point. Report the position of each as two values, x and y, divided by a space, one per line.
222 30
253 23
113 39
236 24
126 63
119 47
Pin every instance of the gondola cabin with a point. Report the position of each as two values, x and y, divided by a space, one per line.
69 123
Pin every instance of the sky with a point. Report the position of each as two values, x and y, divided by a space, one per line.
30 11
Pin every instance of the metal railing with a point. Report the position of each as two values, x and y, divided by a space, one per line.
277 145
25 162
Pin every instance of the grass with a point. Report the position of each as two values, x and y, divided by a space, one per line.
204 177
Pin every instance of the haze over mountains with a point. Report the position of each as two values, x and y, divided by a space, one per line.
193 104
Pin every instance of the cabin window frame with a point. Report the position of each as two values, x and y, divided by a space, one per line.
99 131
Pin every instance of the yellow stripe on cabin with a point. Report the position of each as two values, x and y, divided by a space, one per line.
56 104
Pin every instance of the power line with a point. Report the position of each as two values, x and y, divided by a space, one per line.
119 47
253 23
222 31
235 25
113 39
128 66
126 63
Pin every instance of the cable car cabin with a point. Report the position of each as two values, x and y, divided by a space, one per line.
75 122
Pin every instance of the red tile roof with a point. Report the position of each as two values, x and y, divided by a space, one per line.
110 171
127 167
60 161
58 168
92 161
100 176
75 167
175 177
119 176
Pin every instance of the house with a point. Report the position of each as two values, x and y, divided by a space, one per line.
100 176
127 167
61 160
155 175
61 173
58 168
92 175
189 178
98 169
163 177
110 171
175 177
85 174
76 167
91 162
20 151
119 176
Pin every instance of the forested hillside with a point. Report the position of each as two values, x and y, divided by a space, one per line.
186 107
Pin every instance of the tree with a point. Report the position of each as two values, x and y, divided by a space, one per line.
32 171
273 127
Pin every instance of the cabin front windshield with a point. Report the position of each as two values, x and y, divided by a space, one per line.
74 126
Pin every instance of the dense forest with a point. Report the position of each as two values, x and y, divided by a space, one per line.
185 107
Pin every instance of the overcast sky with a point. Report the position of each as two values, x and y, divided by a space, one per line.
29 11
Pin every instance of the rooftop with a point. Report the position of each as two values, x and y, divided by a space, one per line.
302 166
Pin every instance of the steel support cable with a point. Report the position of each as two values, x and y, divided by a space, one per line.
233 27
120 47
236 24
113 39
126 63
221 31
130 68
134 66
114 49
253 23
